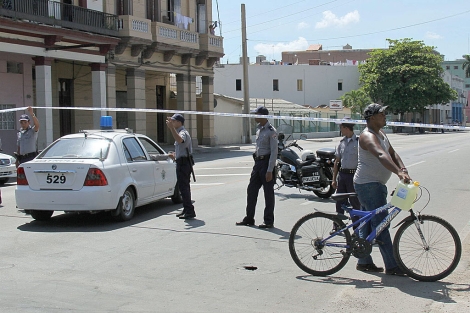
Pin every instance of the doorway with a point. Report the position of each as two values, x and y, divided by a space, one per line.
65 100
160 116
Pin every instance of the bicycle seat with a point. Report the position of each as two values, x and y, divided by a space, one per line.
343 196
335 214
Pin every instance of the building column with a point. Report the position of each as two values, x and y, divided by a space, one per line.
98 87
44 99
186 101
136 99
208 137
111 91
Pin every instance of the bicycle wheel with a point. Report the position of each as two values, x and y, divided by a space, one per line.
433 262
307 251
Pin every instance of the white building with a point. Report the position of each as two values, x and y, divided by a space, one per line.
312 85
445 113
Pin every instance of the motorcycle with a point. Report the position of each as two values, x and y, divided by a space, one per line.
308 172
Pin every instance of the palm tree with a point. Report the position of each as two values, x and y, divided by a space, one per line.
466 65
356 100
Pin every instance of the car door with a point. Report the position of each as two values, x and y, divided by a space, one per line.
141 168
165 169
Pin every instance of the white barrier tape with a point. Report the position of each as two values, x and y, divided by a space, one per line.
294 118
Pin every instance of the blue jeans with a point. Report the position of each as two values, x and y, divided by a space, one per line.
372 196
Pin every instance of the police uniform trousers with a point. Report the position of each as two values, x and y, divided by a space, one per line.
258 179
345 184
26 157
183 176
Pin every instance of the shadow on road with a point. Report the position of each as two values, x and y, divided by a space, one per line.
437 291
99 222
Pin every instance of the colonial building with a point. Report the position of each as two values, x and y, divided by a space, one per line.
106 54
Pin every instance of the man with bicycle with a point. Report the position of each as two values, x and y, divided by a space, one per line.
377 160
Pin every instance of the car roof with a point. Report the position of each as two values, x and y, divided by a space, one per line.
98 133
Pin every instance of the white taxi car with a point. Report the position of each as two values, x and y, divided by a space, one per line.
7 168
98 170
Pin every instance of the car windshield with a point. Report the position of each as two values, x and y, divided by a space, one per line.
77 148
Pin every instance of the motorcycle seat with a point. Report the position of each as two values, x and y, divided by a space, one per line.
301 163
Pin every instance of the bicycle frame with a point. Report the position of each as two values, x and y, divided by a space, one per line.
365 217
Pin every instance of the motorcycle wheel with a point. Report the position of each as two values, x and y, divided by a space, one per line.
326 192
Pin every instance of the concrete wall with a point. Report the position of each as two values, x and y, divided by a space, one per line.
15 89
228 130
96 5
320 83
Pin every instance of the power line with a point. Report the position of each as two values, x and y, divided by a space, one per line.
265 12
285 16
371 33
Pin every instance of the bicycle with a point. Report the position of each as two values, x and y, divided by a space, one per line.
426 247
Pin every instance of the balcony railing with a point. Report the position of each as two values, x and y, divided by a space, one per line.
174 36
131 26
61 14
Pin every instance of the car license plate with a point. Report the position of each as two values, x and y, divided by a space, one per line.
56 178
311 179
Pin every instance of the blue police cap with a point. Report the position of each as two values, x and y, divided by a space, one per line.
178 117
261 110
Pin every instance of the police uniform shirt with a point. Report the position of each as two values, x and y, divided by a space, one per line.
180 148
347 152
27 139
266 143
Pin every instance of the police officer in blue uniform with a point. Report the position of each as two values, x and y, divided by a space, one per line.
345 165
183 144
262 174
27 138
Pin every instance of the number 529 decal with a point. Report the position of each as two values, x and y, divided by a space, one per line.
55 179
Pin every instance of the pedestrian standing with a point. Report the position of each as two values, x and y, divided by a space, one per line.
182 157
345 165
262 174
27 138
376 163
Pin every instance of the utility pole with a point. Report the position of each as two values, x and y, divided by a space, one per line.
246 93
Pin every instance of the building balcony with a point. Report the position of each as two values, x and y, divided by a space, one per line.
134 27
60 14
170 37
212 45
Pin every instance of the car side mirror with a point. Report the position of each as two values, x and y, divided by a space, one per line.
159 157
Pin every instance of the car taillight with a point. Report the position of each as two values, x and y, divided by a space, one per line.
21 177
95 177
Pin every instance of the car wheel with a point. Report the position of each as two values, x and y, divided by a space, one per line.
126 206
176 197
40 215
3 181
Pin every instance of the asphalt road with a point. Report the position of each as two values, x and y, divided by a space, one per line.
158 263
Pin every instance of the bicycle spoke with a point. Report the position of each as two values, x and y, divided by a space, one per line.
310 252
429 258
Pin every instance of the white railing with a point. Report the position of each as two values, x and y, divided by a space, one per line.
168 32
140 26
215 41
189 37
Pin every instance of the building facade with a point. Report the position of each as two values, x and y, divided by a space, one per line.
106 54
315 55
305 85
455 69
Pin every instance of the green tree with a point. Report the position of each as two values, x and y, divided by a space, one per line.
407 77
356 100
466 65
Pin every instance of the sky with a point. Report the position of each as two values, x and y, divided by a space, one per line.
291 25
